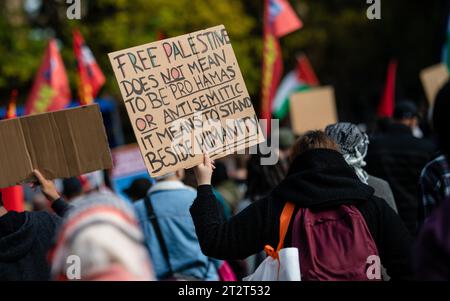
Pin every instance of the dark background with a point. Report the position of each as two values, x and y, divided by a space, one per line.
346 49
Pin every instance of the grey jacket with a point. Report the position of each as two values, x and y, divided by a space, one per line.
382 190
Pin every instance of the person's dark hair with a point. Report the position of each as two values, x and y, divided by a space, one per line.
405 109
72 187
220 174
313 140
441 111
261 178
138 188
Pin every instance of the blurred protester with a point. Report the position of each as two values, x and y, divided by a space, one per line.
169 231
94 182
40 203
226 187
26 237
353 144
239 173
138 189
435 177
103 235
262 178
286 140
432 253
318 179
72 188
398 157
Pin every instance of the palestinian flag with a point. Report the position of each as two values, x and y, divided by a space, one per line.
300 79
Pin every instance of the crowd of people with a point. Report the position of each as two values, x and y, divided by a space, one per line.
355 195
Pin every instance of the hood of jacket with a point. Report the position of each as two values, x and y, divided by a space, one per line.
17 244
321 178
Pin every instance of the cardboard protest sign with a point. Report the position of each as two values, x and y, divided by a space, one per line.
127 161
433 78
186 96
312 109
60 144
128 166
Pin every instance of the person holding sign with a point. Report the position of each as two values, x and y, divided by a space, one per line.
26 237
319 181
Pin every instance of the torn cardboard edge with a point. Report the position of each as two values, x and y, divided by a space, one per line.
60 144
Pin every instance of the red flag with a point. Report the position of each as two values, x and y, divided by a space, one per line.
12 197
305 72
90 76
51 89
283 18
387 102
160 35
279 20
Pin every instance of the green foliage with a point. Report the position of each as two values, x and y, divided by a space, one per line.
19 56
111 25
346 49
351 52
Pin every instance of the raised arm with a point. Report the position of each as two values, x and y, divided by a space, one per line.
48 188
244 234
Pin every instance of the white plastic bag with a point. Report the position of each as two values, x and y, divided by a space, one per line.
285 268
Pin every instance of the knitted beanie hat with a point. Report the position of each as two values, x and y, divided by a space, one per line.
102 232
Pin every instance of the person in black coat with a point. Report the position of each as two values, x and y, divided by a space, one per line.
398 157
26 237
318 178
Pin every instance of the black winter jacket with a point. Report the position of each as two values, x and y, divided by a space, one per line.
318 179
25 239
398 157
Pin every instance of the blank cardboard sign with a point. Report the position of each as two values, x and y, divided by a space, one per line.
60 144
433 78
186 96
312 109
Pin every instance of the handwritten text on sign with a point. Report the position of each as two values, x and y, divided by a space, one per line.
186 96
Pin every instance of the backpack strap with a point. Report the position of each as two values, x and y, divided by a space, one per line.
285 219
162 243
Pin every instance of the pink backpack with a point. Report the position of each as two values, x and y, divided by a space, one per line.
333 244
